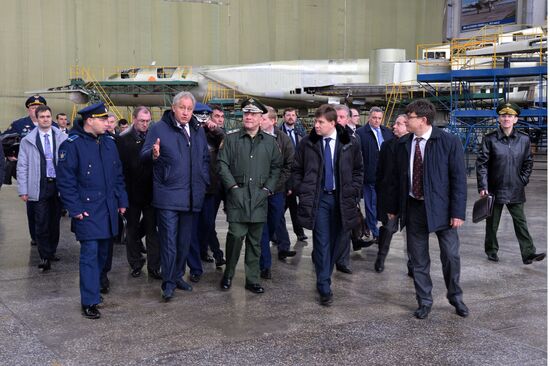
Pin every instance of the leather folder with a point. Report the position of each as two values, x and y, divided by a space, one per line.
483 208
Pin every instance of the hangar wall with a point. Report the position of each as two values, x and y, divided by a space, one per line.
41 39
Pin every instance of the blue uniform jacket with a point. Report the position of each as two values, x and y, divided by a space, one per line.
89 179
22 126
181 173
444 179
369 149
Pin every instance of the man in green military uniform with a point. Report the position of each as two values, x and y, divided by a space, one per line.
249 165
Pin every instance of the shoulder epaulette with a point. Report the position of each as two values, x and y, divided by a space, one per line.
71 138
232 131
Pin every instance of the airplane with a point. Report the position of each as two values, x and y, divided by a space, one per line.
277 83
479 5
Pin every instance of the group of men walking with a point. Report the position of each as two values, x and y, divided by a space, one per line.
167 180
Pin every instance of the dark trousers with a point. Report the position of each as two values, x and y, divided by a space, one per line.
194 258
327 236
208 237
369 197
520 227
386 231
93 254
47 213
275 210
419 254
141 220
252 233
343 258
108 264
174 228
292 205
30 219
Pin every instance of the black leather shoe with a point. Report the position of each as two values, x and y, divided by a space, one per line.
220 262
461 308
91 312
45 265
359 244
166 295
154 273
54 258
104 284
136 272
379 265
422 312
266 273
182 285
226 283
283 254
326 299
194 278
302 237
344 269
534 257
255 288
410 274
207 259
493 257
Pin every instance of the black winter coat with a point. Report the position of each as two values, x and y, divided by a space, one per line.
308 172
504 164
386 185
138 174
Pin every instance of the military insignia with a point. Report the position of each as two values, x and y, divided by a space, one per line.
71 138
232 131
62 154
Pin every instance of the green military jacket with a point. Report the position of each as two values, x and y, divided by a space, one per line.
253 166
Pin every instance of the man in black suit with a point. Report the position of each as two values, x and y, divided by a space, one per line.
371 137
296 135
138 177
385 192
431 175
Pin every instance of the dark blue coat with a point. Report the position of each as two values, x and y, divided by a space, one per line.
181 173
22 126
89 179
369 149
444 179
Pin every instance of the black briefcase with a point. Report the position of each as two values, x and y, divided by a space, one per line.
483 208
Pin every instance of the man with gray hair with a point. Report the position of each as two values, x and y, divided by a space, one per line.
179 151
372 135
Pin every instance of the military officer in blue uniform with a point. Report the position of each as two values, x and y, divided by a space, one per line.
91 186
22 127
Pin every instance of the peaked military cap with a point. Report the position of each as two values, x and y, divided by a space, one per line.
202 108
97 110
252 105
35 100
508 108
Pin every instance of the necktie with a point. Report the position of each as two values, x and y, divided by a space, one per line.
380 138
418 171
187 134
329 171
50 168
290 134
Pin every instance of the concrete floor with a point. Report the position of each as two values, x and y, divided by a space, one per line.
370 321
